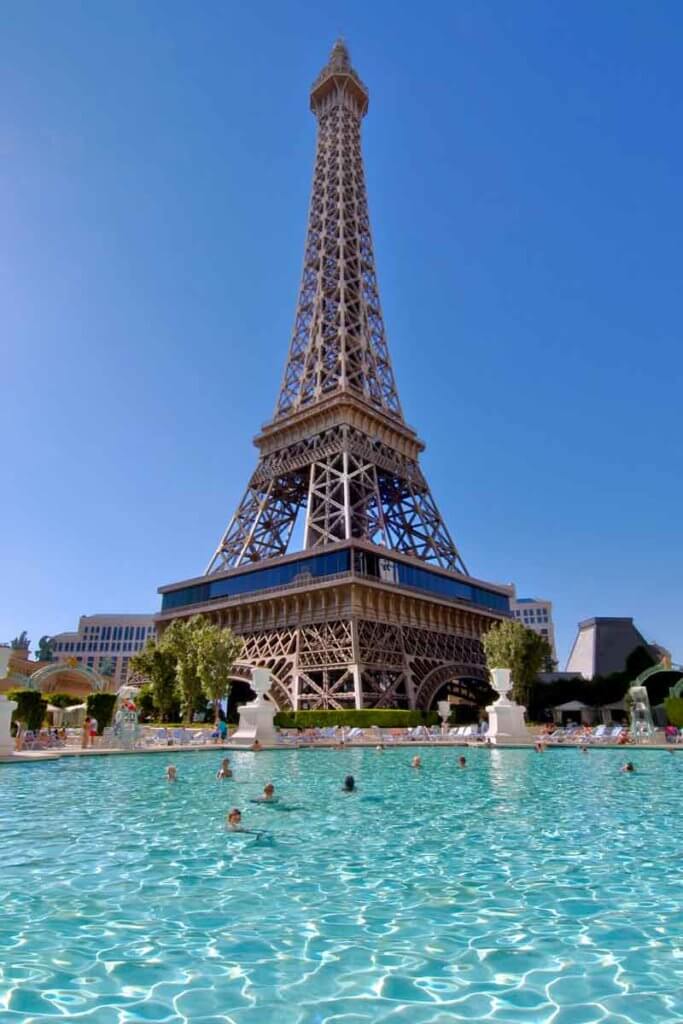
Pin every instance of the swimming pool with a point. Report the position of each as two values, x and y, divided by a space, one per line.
523 888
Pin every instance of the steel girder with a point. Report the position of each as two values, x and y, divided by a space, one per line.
344 664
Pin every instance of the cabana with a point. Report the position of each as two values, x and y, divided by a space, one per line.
619 706
573 711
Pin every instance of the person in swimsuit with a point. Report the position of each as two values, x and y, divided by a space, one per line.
462 761
349 784
629 767
416 762
224 772
171 773
234 820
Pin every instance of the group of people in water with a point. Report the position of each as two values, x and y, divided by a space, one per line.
234 816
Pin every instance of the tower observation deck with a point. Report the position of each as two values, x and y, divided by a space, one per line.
378 609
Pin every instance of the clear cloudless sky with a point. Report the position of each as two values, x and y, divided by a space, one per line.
524 173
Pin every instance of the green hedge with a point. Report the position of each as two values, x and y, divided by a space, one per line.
101 706
30 710
674 710
63 700
386 718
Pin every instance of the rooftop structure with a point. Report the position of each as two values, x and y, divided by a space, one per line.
602 646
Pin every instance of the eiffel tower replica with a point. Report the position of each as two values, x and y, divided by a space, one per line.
378 609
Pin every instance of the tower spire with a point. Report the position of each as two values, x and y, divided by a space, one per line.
338 444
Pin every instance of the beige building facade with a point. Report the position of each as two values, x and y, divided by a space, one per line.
537 614
104 641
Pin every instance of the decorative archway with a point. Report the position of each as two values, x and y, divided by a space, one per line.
468 681
75 680
664 666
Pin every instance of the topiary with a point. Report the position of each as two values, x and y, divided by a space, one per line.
674 710
101 707
30 710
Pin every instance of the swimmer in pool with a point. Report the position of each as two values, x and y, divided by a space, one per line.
234 820
349 784
379 749
629 767
462 761
416 762
171 773
224 772
268 794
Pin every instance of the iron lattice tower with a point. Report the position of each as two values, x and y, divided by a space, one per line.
339 452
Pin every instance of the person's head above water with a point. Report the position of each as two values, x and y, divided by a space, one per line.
416 762
234 817
349 784
171 773
462 761
268 791
629 767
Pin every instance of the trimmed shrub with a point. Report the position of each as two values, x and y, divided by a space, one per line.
63 700
101 707
364 718
674 710
30 710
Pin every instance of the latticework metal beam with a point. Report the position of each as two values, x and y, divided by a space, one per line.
350 483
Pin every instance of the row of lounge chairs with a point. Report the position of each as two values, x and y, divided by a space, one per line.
577 734
164 737
420 733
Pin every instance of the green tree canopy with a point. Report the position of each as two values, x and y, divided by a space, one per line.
178 640
157 665
217 650
190 664
508 644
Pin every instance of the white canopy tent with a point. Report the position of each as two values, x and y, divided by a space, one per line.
575 710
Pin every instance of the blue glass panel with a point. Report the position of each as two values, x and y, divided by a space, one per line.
261 579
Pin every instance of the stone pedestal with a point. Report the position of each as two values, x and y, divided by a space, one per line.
506 718
6 741
256 718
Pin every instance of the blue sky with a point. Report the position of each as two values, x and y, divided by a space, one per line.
523 165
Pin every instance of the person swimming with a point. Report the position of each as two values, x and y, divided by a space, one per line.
234 820
268 796
379 749
629 767
349 784
462 761
416 762
256 745
171 773
225 771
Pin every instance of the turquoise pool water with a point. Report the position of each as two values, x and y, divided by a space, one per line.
524 888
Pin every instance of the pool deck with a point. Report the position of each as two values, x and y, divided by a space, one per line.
40 756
